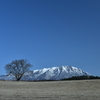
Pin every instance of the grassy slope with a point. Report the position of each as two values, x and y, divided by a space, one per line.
53 90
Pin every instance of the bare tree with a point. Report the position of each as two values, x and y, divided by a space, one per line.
18 68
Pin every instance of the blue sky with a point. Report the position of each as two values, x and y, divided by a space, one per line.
51 33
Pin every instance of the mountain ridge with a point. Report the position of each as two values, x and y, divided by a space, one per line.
53 73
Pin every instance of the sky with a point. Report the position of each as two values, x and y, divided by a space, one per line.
51 33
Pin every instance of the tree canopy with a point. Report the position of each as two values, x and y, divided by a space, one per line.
18 68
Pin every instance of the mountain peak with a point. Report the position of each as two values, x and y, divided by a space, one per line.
55 73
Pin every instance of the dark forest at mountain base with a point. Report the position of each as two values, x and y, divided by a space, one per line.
82 77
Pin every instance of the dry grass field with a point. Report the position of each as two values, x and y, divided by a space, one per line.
53 90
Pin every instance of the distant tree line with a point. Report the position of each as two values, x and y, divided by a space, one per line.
82 77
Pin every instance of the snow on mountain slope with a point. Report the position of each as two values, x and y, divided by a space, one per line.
7 77
54 73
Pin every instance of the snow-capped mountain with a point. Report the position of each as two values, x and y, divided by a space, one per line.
54 73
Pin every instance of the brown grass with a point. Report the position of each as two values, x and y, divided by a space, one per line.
53 90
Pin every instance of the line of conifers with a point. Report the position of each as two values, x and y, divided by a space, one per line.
19 67
82 77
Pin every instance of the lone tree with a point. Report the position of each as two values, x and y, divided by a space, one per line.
18 68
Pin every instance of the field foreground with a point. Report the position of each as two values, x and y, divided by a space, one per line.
53 90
